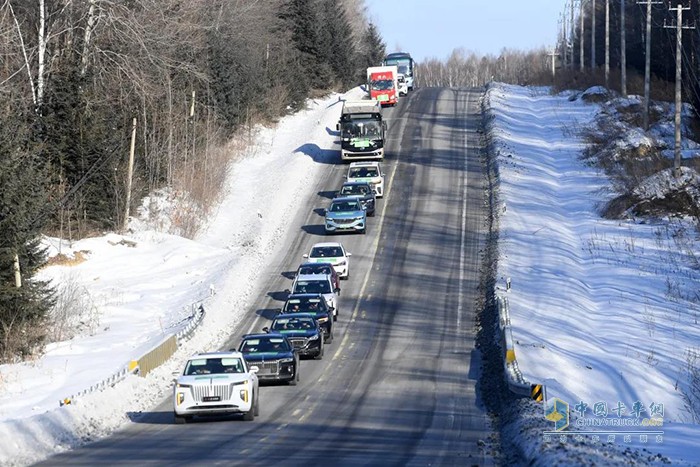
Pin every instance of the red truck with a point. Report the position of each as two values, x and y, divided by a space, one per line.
382 82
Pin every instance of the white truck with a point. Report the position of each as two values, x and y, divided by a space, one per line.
362 131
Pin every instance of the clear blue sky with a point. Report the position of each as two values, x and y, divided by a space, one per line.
433 28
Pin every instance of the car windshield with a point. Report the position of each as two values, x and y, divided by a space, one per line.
264 344
305 305
382 85
207 366
364 129
320 286
354 190
326 252
315 269
293 324
343 206
363 172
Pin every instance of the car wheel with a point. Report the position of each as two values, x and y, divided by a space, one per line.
320 354
371 214
257 407
181 419
249 416
330 338
295 380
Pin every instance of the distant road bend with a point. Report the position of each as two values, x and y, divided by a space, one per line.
398 384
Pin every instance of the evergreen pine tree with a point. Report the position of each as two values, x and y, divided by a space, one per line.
23 201
373 49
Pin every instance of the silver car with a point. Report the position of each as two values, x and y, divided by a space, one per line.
346 214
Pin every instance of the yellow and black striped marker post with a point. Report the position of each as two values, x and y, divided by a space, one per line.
536 392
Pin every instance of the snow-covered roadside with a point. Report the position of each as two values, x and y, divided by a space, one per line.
142 293
592 303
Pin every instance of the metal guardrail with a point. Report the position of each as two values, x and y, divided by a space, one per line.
514 377
149 361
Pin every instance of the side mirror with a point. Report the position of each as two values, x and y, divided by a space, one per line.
266 329
304 256
253 369
287 291
348 254
374 192
324 211
278 310
337 291
176 374
337 126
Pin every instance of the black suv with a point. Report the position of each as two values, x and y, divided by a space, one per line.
273 354
303 332
315 304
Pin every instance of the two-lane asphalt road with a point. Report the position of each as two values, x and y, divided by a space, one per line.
397 386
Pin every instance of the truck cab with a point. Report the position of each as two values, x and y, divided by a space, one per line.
382 82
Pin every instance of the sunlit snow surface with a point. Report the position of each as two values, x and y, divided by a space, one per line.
602 311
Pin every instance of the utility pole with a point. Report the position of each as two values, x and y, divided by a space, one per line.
679 50
573 34
607 43
623 50
581 36
554 54
18 274
562 36
130 175
647 60
593 62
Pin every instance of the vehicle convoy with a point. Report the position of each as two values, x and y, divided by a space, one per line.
216 383
334 253
315 305
405 65
362 191
303 332
370 172
346 214
317 283
362 131
273 354
383 84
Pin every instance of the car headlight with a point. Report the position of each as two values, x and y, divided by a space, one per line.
180 398
287 360
244 395
314 338
240 382
322 320
183 386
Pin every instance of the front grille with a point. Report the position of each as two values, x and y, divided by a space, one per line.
268 368
298 342
221 390
344 221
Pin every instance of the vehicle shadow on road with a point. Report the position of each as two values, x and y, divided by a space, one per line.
151 418
327 194
324 156
279 296
314 229
289 274
332 132
268 313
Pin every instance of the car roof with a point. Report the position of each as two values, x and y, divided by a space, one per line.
304 295
363 164
311 264
324 244
356 182
311 277
221 354
295 315
345 199
259 335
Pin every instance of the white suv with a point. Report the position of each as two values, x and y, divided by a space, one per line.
334 253
216 383
367 171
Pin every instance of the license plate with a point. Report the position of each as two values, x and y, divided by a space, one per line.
211 398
